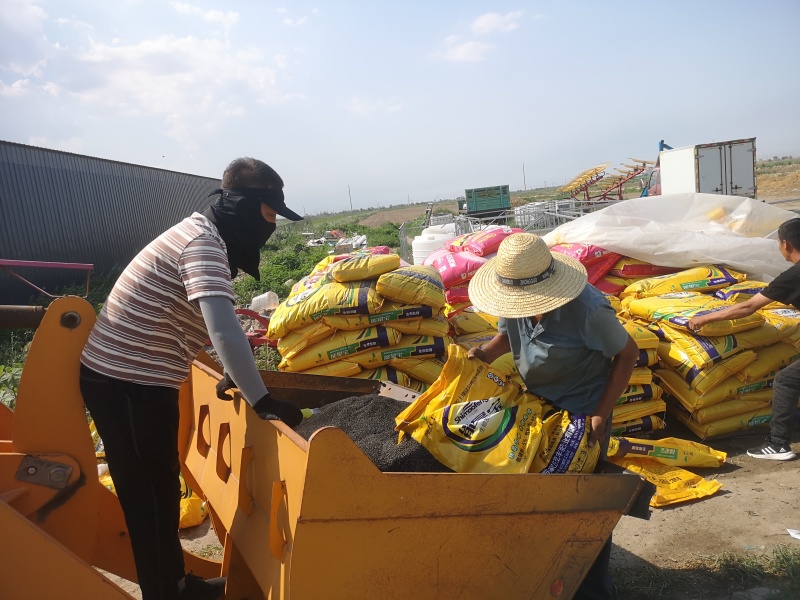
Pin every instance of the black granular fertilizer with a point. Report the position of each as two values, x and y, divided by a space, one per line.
369 422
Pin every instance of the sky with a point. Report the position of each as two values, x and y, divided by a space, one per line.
377 103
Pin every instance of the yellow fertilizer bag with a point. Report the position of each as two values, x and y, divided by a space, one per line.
471 320
340 368
613 301
385 374
645 340
427 370
388 314
667 451
702 351
642 425
451 308
359 267
341 344
438 327
641 376
475 340
703 380
415 284
697 279
675 309
564 448
674 384
97 442
355 298
637 393
673 484
727 425
733 407
298 340
475 421
506 364
630 267
312 280
785 320
417 385
412 346
647 358
742 292
193 509
768 361
637 410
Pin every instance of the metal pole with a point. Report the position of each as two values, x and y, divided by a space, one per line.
524 184
351 196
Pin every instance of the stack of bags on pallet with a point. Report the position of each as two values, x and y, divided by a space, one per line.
365 315
718 380
640 408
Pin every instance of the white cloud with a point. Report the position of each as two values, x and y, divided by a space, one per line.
226 19
22 15
21 87
73 144
491 22
295 22
363 106
181 80
23 44
456 50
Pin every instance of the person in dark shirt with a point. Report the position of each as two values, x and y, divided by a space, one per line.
785 288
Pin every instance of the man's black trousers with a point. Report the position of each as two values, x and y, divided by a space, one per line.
139 428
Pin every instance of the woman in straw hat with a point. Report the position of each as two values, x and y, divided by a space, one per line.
566 341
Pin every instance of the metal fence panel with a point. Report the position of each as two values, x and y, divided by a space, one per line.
536 217
63 207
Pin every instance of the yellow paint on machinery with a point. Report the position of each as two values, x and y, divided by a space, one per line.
297 519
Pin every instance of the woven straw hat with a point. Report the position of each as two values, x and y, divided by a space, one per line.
526 279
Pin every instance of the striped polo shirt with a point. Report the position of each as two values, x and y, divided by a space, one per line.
149 329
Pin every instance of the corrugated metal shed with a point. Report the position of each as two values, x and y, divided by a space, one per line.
63 207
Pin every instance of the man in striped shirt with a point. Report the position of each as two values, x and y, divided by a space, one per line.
172 297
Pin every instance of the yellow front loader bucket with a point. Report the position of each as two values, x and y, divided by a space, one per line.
302 520
310 520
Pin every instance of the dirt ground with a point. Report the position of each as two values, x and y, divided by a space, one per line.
758 502
403 215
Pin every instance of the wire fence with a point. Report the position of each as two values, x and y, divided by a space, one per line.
535 217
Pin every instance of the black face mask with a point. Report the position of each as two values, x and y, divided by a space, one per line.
241 225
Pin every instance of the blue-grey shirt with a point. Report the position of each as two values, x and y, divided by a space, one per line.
566 357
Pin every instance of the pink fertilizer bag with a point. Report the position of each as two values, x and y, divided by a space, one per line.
598 261
586 254
488 240
457 267
457 294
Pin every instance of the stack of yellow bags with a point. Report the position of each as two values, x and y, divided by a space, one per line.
364 315
721 376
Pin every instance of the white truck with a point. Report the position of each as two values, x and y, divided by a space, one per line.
727 168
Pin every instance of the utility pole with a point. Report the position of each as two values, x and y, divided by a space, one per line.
351 197
524 184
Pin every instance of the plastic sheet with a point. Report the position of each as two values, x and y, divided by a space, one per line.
684 230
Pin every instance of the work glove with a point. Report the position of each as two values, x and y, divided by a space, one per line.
268 407
225 384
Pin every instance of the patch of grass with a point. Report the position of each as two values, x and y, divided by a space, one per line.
212 550
715 576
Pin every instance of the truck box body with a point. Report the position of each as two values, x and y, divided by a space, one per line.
488 201
726 168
